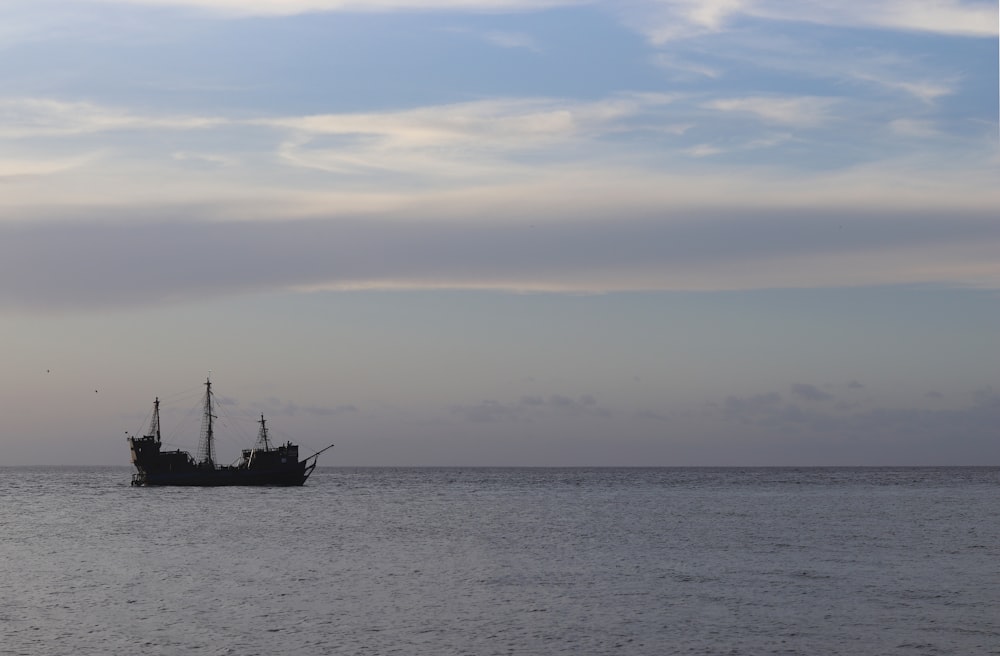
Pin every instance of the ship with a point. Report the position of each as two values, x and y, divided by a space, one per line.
264 464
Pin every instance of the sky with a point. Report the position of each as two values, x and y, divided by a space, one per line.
503 232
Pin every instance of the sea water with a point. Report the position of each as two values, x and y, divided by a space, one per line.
504 561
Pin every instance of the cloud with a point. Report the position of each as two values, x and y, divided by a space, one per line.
918 128
704 150
806 111
458 139
907 434
952 17
669 20
21 118
274 406
89 262
926 90
664 21
293 7
629 138
808 392
501 38
529 408
660 20
488 412
33 166
512 40
205 160
514 194
685 67
855 70
735 147
751 408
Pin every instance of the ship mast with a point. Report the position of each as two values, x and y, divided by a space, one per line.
154 427
262 441
206 448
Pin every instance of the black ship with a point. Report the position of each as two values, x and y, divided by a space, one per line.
264 464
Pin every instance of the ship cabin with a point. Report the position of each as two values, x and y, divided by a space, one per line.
284 454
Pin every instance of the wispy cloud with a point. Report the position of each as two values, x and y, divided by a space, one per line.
665 21
512 40
18 167
704 150
501 38
909 127
661 20
678 65
292 7
634 148
453 139
525 121
844 68
208 160
45 117
796 111
669 20
926 90
955 17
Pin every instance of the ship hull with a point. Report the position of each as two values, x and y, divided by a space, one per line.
278 467
223 477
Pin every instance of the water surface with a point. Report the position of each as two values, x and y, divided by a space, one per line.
505 561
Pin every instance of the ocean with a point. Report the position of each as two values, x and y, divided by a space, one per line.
479 561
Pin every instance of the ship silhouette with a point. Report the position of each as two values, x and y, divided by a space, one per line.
264 464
